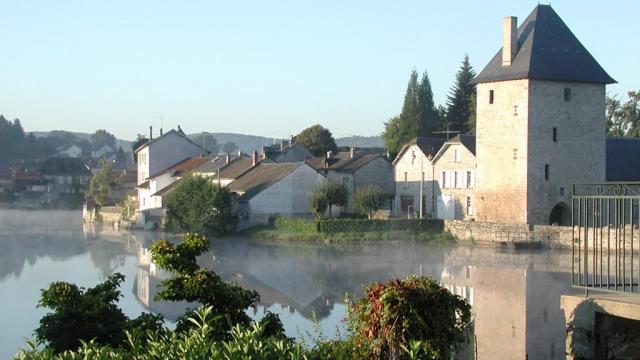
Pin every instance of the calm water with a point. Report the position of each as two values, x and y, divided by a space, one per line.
515 295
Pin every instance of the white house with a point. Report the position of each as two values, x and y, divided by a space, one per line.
270 189
73 151
103 151
154 158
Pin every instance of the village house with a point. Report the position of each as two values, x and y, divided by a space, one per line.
158 155
73 151
271 189
540 122
454 167
287 152
67 175
229 169
415 177
356 169
104 151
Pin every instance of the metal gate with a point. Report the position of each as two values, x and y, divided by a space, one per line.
606 243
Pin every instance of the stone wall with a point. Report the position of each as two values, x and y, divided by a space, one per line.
557 237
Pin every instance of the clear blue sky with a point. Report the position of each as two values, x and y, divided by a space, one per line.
267 68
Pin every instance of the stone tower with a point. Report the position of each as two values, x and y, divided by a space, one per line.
540 122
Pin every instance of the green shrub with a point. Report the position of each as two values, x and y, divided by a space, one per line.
366 225
297 225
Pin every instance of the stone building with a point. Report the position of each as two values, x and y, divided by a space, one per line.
454 167
540 122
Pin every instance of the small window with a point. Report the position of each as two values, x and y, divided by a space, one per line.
456 184
444 180
561 191
469 180
469 210
490 96
567 94
456 154
546 171
555 134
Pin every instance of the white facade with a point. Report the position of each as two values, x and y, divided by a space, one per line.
104 150
72 151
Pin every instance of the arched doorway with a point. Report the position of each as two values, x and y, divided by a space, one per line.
560 215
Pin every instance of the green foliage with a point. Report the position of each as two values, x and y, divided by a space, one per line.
317 140
207 141
623 119
197 205
369 199
103 182
101 138
460 109
80 315
365 225
328 194
410 317
295 225
191 283
419 116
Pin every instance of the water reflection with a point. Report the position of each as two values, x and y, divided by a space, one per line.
515 295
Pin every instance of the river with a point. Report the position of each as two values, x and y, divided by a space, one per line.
515 295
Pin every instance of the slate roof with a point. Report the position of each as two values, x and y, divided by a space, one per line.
469 141
216 164
428 145
261 177
179 133
547 50
343 161
235 168
65 166
623 159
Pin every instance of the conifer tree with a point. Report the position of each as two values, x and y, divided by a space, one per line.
460 114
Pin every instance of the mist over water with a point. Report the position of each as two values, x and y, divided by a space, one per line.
515 295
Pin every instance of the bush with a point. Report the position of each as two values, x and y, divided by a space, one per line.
295 225
364 225
414 316
197 205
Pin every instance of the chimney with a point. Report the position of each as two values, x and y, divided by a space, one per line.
160 131
227 157
239 153
150 133
254 157
509 39
329 154
290 140
352 152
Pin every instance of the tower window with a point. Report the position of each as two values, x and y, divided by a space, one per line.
555 134
546 171
490 96
567 94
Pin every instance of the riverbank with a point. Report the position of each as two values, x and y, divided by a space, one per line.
271 233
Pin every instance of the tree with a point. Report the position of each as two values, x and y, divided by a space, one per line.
101 138
229 147
419 116
192 283
121 158
415 314
317 140
84 315
367 200
197 205
207 141
326 195
103 183
459 101
623 119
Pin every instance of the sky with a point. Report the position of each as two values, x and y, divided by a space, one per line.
269 68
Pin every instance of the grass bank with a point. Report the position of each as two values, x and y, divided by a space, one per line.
341 230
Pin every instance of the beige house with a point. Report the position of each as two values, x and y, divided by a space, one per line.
415 178
455 167
540 122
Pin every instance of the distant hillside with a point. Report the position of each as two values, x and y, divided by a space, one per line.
361 141
124 144
246 143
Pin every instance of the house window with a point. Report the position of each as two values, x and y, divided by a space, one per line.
456 154
555 134
443 180
469 180
456 183
567 94
406 202
469 209
546 171
490 96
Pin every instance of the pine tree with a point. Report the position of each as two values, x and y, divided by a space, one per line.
428 119
459 101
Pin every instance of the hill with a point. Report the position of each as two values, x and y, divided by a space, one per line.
124 144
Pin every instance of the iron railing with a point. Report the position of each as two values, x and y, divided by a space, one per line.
606 237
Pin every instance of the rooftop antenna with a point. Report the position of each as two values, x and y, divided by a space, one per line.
447 131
